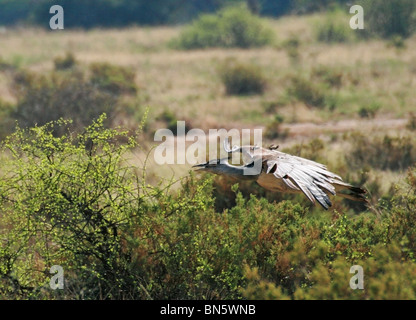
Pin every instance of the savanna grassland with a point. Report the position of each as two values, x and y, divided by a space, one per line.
93 200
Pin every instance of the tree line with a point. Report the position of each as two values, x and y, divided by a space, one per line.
119 13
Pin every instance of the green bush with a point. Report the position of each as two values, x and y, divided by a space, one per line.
230 27
397 42
385 153
66 62
171 121
291 46
306 6
76 201
411 124
6 119
6 66
331 76
65 203
305 90
313 150
334 29
320 268
369 111
389 19
46 97
274 129
115 79
242 78
73 94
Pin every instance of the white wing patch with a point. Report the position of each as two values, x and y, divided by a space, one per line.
300 175
312 178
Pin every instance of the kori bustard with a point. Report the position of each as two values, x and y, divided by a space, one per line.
282 172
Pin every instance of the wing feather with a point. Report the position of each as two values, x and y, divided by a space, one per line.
308 176
300 175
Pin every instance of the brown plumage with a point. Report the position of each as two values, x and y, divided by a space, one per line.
285 173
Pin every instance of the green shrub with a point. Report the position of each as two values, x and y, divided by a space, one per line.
397 42
388 19
306 6
311 93
115 79
274 129
291 46
47 97
230 27
66 62
76 201
260 289
313 150
369 111
385 153
331 76
411 124
6 66
270 107
171 121
242 78
334 29
75 94
65 204
6 119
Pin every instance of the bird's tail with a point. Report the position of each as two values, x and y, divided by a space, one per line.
350 192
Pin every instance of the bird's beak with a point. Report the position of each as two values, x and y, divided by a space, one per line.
207 165
200 166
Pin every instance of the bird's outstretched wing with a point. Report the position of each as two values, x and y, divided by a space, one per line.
310 177
287 173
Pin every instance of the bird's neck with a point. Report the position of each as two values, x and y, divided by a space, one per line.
241 172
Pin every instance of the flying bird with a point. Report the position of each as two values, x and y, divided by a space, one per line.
282 172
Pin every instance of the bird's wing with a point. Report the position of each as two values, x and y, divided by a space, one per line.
308 176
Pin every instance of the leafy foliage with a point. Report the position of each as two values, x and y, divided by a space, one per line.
71 93
75 201
334 28
6 121
115 79
388 19
230 27
306 6
311 93
63 202
411 125
242 78
274 130
66 62
393 153
369 111
69 195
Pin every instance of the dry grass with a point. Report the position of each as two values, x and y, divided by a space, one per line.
188 84
188 81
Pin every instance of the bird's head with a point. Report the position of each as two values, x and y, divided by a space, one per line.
222 167
213 166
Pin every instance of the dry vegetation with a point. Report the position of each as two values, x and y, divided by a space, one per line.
375 79
349 104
